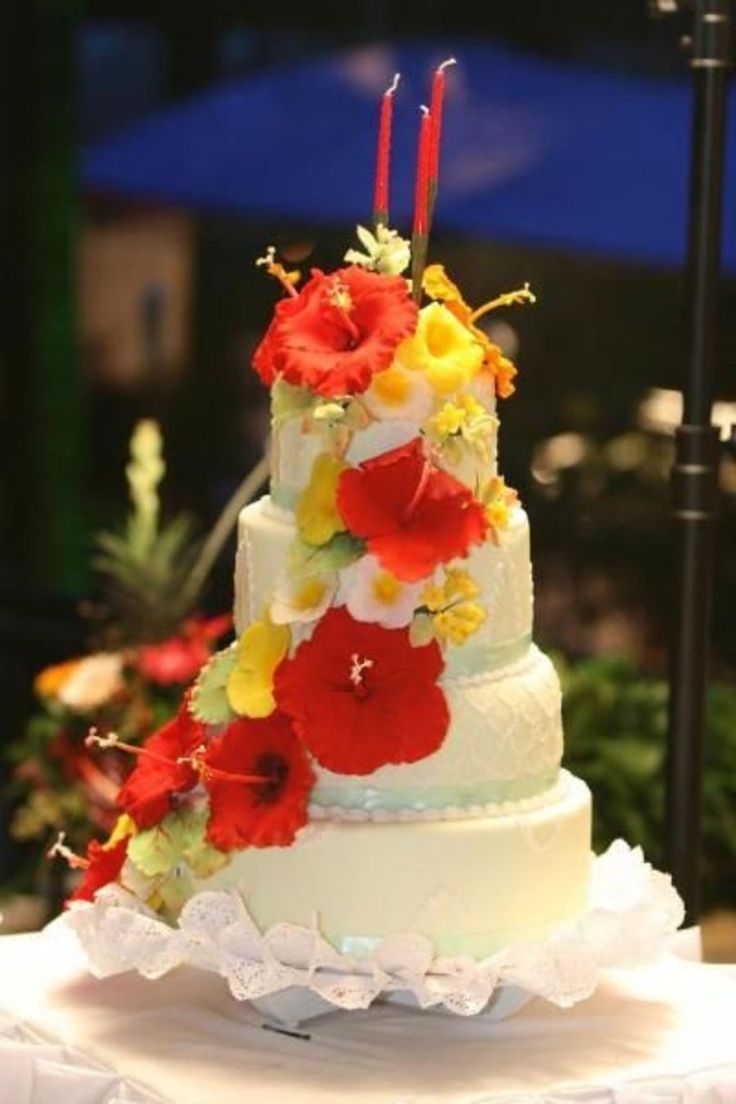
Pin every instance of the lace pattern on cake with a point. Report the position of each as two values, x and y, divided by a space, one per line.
631 912
505 725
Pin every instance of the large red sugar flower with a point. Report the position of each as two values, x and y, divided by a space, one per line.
361 696
101 866
149 792
259 779
412 515
338 332
179 658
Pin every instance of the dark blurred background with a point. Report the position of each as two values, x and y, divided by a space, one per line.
118 306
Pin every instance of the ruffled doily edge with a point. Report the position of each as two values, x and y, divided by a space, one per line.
632 912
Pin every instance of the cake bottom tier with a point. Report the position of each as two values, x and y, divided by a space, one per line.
471 885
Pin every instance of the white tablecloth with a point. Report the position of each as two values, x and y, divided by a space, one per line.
662 1035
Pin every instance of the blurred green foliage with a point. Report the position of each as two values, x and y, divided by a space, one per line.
615 738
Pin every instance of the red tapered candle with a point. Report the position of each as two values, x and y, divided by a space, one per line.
383 156
421 187
436 109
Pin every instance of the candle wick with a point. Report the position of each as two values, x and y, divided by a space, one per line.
448 61
394 85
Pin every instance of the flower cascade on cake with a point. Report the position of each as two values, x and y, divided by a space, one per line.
387 367
363 793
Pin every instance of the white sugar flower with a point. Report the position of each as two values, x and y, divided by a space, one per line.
373 594
302 600
399 392
92 683
385 251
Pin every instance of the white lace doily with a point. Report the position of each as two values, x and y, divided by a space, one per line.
632 911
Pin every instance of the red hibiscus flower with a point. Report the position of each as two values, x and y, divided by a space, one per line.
103 865
148 794
412 515
338 332
259 779
179 659
361 696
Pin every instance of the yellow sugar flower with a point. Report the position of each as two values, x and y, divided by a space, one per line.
458 584
433 596
448 420
455 624
317 517
440 287
443 349
250 685
124 826
499 500
454 616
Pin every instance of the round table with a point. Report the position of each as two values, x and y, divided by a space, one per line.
660 1035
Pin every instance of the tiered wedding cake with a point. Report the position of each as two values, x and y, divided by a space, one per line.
363 793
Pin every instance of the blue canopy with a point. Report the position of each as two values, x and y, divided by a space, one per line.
532 151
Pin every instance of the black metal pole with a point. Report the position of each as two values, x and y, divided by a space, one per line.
695 471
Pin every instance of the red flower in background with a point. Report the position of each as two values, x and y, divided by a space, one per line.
148 793
361 696
412 515
103 866
180 658
338 332
259 779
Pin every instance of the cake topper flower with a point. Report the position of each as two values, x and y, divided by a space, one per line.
259 778
438 286
443 349
338 332
361 696
385 251
412 516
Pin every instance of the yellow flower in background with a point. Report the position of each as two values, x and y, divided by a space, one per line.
49 681
250 684
443 349
317 518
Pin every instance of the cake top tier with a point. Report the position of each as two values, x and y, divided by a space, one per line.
358 365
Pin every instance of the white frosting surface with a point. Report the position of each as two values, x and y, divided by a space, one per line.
471 885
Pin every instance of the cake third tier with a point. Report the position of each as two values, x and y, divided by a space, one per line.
504 740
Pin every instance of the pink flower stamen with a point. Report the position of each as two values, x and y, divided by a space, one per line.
60 850
94 739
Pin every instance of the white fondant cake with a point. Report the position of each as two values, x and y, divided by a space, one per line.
380 750
363 793
472 883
